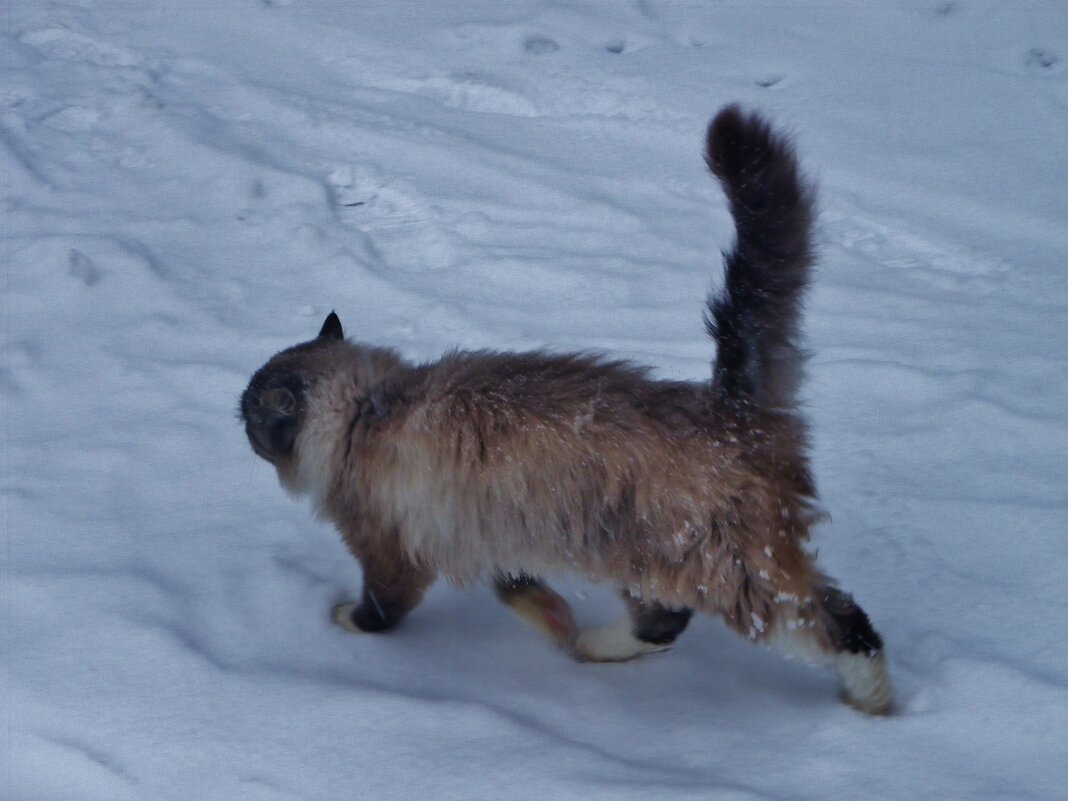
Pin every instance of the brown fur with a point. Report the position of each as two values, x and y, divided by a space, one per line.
481 464
489 463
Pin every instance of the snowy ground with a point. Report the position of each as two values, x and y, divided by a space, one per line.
188 186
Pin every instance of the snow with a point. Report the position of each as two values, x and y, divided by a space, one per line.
187 187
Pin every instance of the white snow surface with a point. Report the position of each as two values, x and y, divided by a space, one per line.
188 186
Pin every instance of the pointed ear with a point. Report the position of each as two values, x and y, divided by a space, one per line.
331 328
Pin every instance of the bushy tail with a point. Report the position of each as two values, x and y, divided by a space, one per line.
755 319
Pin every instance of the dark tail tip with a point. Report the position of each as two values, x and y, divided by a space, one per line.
758 168
730 138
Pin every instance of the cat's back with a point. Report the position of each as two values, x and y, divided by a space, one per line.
540 388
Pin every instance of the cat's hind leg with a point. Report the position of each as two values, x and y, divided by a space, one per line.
536 603
650 627
832 630
842 636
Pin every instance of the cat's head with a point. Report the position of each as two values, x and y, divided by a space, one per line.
301 409
275 406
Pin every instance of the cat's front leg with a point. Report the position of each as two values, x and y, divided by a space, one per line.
393 585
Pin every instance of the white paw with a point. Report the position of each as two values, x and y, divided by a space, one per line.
341 616
865 683
614 643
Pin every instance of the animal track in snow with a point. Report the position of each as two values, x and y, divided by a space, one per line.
84 268
903 249
402 226
1042 61
470 91
770 81
351 187
539 45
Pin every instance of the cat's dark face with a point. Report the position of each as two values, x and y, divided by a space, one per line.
274 405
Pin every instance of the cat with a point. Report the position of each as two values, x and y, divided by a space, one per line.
511 466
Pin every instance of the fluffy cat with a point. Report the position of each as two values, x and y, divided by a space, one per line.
511 466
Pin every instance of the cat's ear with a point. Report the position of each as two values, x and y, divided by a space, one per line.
279 402
331 328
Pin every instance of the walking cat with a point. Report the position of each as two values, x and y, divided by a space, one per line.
514 466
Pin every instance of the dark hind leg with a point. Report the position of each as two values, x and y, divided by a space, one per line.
848 625
858 653
835 631
650 627
657 624
538 604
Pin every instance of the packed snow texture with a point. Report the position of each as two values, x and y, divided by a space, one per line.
188 186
